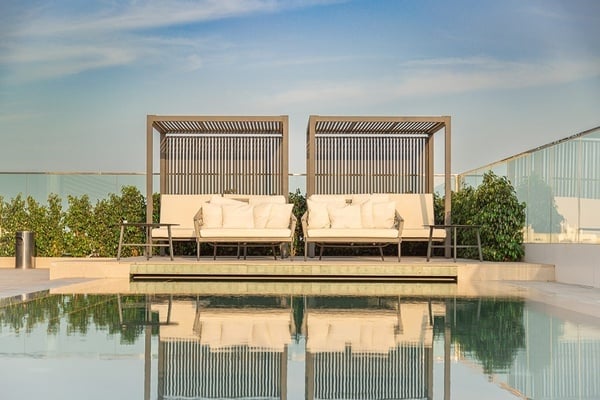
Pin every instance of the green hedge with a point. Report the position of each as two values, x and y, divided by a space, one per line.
495 207
92 230
81 230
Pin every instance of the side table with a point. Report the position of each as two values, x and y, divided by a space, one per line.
452 230
147 227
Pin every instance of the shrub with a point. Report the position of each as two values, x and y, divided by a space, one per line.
495 207
82 230
299 201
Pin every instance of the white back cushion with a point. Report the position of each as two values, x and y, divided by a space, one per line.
415 208
181 208
280 215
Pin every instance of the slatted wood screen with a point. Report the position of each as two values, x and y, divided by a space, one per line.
370 164
370 154
205 155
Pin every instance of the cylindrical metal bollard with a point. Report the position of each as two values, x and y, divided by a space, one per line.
24 249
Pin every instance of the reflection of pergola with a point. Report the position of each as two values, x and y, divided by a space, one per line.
370 353
347 155
218 154
223 352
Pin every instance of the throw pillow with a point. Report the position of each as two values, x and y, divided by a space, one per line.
279 218
318 216
240 217
383 215
212 216
261 214
345 217
366 214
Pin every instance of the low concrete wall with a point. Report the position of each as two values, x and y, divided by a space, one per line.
577 264
38 262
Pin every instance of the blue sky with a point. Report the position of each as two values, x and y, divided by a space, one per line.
78 78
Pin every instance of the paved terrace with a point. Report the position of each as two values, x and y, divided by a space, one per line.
534 282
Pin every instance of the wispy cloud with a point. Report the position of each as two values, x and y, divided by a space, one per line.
50 42
431 77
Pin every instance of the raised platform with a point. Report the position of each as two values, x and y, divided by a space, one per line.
334 270
160 274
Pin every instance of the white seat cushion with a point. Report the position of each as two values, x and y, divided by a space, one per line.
246 233
353 233
176 233
423 233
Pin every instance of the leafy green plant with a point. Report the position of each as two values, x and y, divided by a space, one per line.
79 217
300 207
495 207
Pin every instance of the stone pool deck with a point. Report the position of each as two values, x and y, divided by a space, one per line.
368 276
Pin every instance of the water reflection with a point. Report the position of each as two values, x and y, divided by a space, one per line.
298 347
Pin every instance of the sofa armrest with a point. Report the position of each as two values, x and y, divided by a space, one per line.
304 221
198 222
293 223
399 223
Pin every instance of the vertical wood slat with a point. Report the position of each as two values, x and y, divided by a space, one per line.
252 160
370 164
373 154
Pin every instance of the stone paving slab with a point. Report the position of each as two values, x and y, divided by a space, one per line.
19 282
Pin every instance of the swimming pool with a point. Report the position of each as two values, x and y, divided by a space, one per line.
214 346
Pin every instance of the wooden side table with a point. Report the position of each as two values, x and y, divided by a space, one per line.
452 230
147 227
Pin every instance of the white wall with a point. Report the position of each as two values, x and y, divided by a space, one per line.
577 264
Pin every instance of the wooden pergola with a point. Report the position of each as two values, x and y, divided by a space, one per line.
351 154
218 154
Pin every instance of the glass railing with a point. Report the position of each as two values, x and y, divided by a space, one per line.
97 186
560 184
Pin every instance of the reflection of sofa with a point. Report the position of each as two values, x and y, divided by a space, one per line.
244 221
368 220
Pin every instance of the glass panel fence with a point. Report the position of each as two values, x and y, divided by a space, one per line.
560 184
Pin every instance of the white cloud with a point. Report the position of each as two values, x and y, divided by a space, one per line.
440 77
131 16
50 43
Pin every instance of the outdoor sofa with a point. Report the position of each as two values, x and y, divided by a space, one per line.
229 220
376 220
246 221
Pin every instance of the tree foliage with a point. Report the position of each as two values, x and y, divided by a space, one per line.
81 230
494 206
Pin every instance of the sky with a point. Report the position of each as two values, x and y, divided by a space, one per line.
77 78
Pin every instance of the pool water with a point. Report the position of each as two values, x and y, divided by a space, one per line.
293 347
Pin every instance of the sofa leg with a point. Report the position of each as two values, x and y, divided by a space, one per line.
197 251
381 253
399 250
305 249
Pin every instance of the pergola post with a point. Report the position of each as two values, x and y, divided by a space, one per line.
149 167
447 183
